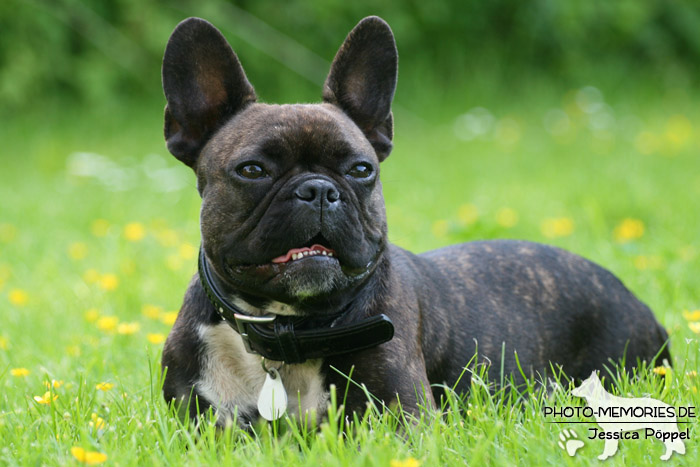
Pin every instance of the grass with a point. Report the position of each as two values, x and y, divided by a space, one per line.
97 249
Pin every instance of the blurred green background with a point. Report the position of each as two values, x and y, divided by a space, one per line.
546 120
510 115
86 52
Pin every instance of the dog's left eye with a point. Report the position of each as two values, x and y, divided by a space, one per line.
362 170
251 171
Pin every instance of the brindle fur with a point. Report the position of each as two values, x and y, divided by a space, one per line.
497 297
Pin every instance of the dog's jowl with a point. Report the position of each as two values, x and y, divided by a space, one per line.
298 286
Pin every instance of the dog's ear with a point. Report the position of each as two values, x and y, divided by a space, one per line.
204 86
362 81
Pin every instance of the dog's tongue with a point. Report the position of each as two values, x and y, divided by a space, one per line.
298 253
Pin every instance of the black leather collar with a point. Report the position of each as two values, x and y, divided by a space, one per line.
294 339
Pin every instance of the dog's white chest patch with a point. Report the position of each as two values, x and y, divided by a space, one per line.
232 378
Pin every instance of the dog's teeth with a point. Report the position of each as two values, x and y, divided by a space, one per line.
303 254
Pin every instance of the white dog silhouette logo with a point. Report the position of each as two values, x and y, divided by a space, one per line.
619 415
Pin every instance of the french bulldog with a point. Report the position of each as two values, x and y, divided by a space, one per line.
299 289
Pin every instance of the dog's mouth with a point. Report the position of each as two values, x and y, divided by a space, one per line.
308 270
311 261
314 247
296 254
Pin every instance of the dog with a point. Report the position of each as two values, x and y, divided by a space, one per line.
645 413
298 288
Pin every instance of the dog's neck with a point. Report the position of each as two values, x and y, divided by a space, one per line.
352 304
293 339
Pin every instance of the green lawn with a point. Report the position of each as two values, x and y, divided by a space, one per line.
99 232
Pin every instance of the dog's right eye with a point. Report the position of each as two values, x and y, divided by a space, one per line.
251 171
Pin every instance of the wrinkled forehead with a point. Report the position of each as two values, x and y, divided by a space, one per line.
318 132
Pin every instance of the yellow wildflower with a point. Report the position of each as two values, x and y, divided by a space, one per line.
77 250
134 232
128 328
109 282
555 227
88 457
104 386
18 297
408 462
46 399
661 370
467 214
4 343
53 384
100 227
107 323
73 350
187 251
506 217
92 314
151 311
169 318
628 229
97 422
691 315
692 374
19 372
155 338
694 326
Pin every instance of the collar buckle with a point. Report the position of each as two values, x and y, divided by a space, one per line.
242 322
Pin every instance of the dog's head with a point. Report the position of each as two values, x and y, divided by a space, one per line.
292 206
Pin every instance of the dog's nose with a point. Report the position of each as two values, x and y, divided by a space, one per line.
318 191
